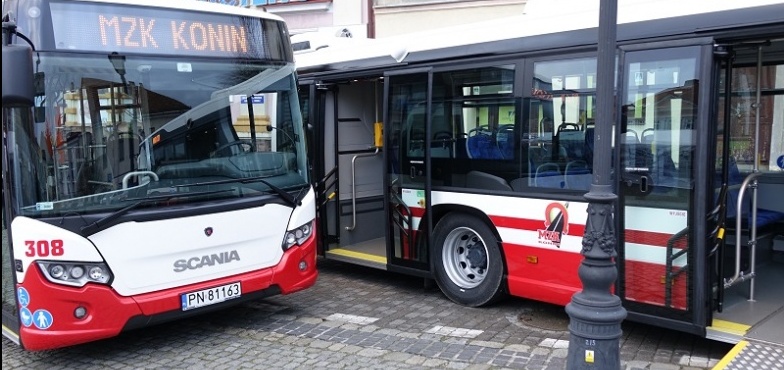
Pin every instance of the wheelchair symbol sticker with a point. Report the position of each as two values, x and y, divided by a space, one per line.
22 296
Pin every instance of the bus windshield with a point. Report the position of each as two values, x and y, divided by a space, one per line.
111 128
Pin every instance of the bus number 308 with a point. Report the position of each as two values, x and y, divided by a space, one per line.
44 248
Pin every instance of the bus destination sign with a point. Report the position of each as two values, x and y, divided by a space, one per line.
122 29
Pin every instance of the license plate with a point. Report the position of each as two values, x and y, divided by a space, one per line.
210 296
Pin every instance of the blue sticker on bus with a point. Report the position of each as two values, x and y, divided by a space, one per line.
42 319
22 296
256 99
26 317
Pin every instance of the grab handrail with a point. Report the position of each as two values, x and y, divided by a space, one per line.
354 187
739 276
137 173
322 186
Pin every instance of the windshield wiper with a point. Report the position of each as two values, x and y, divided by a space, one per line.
294 201
97 225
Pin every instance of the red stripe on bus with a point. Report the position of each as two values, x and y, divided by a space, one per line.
531 224
645 282
515 222
652 238
550 275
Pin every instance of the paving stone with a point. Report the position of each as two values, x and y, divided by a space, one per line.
390 317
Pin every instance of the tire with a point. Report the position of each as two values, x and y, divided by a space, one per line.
467 261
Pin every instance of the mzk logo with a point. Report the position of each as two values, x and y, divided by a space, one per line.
556 224
197 262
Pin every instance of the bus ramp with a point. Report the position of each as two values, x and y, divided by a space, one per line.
761 349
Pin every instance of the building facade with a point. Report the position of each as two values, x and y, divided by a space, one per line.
381 18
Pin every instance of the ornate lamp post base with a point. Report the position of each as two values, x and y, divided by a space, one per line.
595 313
595 317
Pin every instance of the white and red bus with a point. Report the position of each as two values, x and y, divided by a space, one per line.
154 166
487 154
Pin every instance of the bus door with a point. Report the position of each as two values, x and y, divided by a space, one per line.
407 135
749 182
317 106
12 299
659 150
19 94
312 99
348 168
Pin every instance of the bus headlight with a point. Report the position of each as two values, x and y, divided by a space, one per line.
297 236
57 271
77 272
96 273
73 273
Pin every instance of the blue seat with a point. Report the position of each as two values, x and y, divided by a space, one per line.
765 217
505 140
577 175
549 175
663 171
442 142
647 136
481 144
573 143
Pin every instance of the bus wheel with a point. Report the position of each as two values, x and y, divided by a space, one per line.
467 261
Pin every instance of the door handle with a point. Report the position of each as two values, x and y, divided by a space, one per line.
641 180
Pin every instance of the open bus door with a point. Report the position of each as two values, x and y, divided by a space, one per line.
367 172
408 181
663 201
317 105
18 95
346 161
749 253
312 98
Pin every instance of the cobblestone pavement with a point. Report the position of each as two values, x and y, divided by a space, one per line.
358 318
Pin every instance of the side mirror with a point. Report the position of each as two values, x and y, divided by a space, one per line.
18 87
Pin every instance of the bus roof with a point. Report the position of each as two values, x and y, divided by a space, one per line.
542 17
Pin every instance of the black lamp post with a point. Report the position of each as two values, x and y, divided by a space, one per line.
595 313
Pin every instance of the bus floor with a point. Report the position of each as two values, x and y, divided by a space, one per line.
369 253
742 318
755 325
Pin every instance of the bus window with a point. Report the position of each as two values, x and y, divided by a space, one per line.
557 140
739 132
474 118
744 118
657 123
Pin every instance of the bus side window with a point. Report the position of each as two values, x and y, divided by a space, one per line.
442 143
416 135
